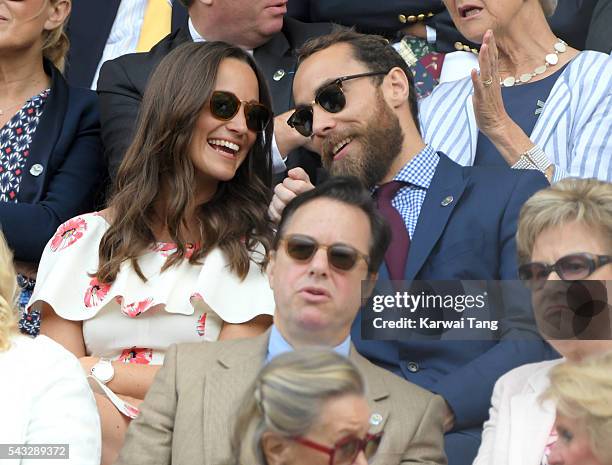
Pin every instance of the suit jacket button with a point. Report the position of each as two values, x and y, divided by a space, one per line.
402 18
36 170
279 74
413 367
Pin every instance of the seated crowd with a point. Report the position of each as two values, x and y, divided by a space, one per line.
191 250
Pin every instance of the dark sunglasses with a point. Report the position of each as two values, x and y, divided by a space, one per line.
330 97
346 450
341 256
224 106
569 268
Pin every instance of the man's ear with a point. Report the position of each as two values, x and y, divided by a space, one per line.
369 285
396 88
275 448
58 12
270 267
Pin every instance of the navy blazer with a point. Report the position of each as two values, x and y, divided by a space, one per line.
67 146
386 18
123 81
88 28
470 238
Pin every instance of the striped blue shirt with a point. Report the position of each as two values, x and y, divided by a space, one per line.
574 128
417 174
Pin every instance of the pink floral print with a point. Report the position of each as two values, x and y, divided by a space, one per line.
95 293
200 328
68 233
136 355
136 308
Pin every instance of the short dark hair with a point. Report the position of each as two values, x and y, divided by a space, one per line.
348 190
373 51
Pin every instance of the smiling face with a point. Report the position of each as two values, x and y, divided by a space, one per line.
218 147
474 17
551 303
573 446
22 22
315 302
365 138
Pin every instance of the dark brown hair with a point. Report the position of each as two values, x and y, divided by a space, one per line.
373 51
235 219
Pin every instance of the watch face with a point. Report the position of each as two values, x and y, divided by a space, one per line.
103 371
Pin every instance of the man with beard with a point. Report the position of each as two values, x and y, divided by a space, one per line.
355 99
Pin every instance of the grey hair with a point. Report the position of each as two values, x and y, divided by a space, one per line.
587 201
549 6
287 396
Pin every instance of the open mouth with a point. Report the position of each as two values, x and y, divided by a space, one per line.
468 11
224 146
338 151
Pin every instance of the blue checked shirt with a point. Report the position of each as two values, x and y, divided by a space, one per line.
417 173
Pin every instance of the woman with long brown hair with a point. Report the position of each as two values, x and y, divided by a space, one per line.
178 255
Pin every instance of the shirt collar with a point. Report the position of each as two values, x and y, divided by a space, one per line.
278 345
420 170
196 37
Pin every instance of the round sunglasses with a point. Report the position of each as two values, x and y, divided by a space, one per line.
224 106
329 97
340 256
569 268
346 450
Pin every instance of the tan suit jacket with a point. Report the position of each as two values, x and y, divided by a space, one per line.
189 413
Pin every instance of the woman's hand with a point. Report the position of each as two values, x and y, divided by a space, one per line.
489 109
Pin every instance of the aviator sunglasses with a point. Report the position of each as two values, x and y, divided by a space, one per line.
340 256
346 450
329 97
224 106
569 268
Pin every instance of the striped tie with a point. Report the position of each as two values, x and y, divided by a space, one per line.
155 25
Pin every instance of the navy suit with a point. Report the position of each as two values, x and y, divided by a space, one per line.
470 238
67 146
385 18
88 29
123 81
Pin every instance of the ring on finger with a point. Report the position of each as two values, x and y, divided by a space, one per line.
488 82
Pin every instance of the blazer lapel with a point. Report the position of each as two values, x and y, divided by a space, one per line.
179 16
278 66
443 195
226 385
46 135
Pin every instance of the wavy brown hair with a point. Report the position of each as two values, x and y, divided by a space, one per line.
235 219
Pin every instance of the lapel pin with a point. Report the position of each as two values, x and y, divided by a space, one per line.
36 170
376 419
279 74
447 200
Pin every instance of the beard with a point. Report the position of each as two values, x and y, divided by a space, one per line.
381 143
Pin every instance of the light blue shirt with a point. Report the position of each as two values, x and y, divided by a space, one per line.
278 345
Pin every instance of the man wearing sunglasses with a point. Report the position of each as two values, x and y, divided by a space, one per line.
329 242
355 97
257 25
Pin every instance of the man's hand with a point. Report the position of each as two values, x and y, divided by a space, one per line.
296 182
449 417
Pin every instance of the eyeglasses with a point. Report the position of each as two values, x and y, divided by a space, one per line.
346 450
224 106
569 268
341 256
330 97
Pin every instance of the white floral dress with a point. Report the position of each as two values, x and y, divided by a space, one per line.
134 321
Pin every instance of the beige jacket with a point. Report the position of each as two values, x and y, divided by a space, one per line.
188 415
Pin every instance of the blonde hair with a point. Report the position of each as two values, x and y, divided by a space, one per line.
8 291
549 6
287 397
588 201
56 44
583 391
